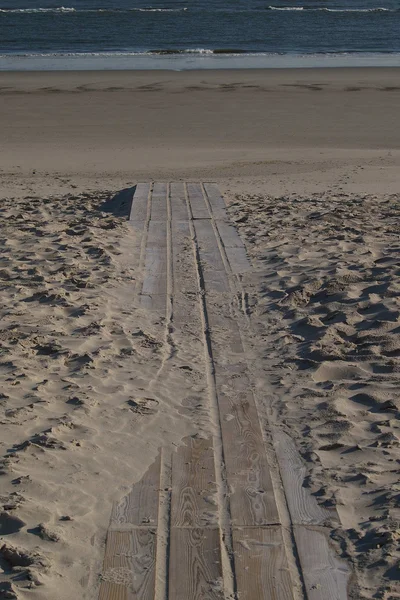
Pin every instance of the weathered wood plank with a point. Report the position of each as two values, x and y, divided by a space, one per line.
140 506
212 265
157 235
155 267
193 500
325 576
155 302
138 213
229 235
217 202
261 566
195 565
304 508
179 210
159 202
252 497
113 591
197 202
238 260
129 565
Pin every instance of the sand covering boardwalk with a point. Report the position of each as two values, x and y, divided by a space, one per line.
208 521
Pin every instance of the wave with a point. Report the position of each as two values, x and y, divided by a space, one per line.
64 9
68 10
37 10
335 10
230 51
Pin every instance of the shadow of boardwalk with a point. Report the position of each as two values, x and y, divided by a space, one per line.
120 204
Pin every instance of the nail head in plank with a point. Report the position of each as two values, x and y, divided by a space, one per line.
138 211
195 565
261 566
159 202
179 210
217 202
197 201
304 508
140 506
129 564
193 500
247 470
326 577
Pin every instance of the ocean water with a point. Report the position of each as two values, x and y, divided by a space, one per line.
125 32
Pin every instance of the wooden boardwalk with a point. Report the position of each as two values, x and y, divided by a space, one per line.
205 522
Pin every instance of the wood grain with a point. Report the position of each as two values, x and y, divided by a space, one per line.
238 260
252 497
212 265
261 567
179 210
140 506
194 501
112 591
138 213
304 508
216 201
129 565
197 202
229 235
195 565
326 577
159 202
154 287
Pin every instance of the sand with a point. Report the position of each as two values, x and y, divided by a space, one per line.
308 161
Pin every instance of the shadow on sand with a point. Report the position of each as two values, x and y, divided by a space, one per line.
120 204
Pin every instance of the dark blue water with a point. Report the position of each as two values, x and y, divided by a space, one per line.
221 26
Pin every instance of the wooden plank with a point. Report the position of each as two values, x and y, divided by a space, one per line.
252 497
217 202
155 302
193 500
129 565
155 267
195 565
304 508
138 213
238 260
212 265
179 211
229 235
214 280
154 283
157 234
325 576
159 202
113 591
261 566
140 506
197 202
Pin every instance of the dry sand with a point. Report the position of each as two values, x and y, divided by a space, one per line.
309 161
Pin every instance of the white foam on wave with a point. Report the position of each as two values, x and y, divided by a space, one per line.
335 10
64 9
37 10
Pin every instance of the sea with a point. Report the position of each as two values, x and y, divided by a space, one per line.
187 34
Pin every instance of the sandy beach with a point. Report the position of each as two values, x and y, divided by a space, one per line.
308 162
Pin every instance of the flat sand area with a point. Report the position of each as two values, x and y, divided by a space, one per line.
275 124
94 381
